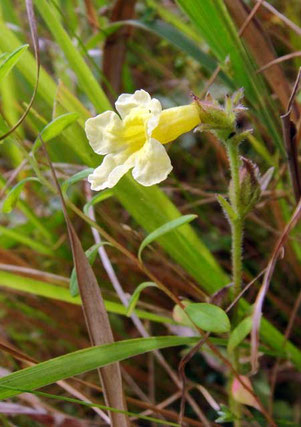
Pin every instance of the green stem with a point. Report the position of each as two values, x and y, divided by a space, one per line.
237 224
237 236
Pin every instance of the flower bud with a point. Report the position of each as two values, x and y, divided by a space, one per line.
249 177
251 185
219 119
241 395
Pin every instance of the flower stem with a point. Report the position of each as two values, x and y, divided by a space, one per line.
237 224
237 236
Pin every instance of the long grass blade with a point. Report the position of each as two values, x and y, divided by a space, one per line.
81 361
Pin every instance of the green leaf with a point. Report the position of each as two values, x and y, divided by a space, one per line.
86 79
134 298
55 128
165 228
24 239
14 194
225 415
227 208
91 255
49 290
75 178
214 24
103 195
178 39
208 317
81 361
104 407
239 333
11 60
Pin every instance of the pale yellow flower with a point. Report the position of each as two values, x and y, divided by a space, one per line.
134 139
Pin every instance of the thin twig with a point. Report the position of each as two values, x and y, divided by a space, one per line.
181 370
249 18
33 272
282 17
286 337
279 60
289 133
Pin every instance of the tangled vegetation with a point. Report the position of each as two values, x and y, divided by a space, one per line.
150 252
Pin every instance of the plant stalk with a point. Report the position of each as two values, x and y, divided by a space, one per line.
237 237
237 224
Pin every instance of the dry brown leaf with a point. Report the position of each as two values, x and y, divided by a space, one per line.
96 317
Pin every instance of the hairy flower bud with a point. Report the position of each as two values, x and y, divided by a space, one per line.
251 185
220 119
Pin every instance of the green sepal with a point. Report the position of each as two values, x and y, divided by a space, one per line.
231 215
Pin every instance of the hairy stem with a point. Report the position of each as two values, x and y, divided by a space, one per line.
237 224
237 236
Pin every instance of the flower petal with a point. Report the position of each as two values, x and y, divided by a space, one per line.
112 169
155 108
152 164
127 101
141 99
103 132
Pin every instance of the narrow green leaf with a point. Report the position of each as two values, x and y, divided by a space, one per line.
134 298
178 39
55 128
214 24
239 333
48 290
11 60
26 240
38 224
75 178
14 194
165 228
91 255
97 405
3 56
82 361
103 195
227 208
85 76
208 317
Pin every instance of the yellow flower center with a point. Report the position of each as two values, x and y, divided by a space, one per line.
173 122
134 128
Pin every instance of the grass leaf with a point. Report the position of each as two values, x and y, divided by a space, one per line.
103 195
75 178
55 292
81 361
11 60
13 196
56 127
134 298
165 228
